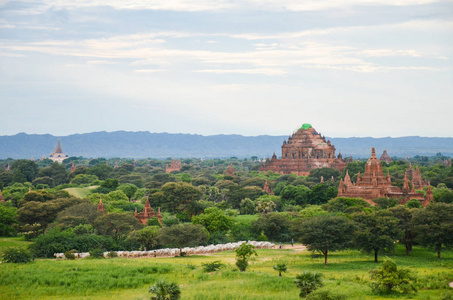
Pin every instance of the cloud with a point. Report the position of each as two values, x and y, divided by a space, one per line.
261 71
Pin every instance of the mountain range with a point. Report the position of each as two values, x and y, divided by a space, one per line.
144 144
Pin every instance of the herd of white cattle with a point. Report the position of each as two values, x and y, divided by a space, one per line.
168 252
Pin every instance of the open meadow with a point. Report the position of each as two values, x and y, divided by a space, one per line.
347 274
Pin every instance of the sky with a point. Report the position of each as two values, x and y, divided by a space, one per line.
351 68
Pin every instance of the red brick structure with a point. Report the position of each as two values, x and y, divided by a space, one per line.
72 168
101 206
374 184
230 170
416 177
148 213
385 157
305 150
175 166
268 189
2 200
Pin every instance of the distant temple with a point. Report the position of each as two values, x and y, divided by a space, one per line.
268 189
230 170
57 154
385 157
101 206
148 213
305 150
175 166
2 200
374 184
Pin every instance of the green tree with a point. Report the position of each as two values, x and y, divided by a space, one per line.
25 169
295 195
55 171
434 226
178 195
7 220
312 211
322 193
163 290
147 237
326 173
214 220
117 225
346 205
17 255
307 282
377 231
325 233
243 254
102 171
389 278
84 179
275 226
280 268
443 194
404 215
183 235
247 207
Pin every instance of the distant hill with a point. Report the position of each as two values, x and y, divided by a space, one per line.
162 145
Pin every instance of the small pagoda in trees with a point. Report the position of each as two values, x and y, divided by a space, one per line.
57 154
174 166
148 213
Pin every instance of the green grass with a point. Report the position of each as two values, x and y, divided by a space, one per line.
18 242
347 273
80 192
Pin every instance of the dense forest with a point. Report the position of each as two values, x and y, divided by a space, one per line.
57 208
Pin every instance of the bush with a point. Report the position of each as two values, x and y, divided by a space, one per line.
70 254
97 253
112 254
165 290
307 282
388 278
212 266
326 295
17 255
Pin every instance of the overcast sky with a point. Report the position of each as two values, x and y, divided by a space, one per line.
252 67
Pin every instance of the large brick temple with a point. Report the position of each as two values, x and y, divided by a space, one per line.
374 184
305 150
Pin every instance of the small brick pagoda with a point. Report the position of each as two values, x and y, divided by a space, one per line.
148 213
2 200
175 166
374 184
304 151
385 157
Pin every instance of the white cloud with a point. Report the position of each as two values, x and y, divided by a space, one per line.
261 71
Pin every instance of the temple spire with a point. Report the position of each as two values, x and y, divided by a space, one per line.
101 206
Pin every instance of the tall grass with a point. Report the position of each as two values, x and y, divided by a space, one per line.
347 273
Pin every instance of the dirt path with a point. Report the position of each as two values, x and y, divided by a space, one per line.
296 247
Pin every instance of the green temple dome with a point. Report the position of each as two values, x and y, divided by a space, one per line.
305 126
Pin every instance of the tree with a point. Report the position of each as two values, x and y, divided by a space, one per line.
83 213
266 204
326 173
84 179
295 194
377 231
214 219
275 226
443 194
434 226
55 171
17 255
163 290
280 268
183 235
322 193
102 171
247 207
7 220
147 237
404 215
117 225
390 278
178 195
325 233
307 282
312 211
346 205
243 254
25 169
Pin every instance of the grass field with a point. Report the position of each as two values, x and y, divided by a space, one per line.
120 278
18 242
80 192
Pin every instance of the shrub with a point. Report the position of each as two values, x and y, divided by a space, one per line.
165 290
97 253
70 254
326 295
388 278
112 254
17 255
307 282
280 268
212 266
243 254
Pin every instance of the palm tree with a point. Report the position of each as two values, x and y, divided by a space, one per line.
280 268
165 291
308 282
